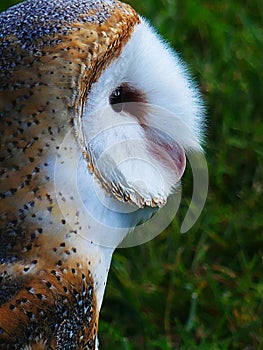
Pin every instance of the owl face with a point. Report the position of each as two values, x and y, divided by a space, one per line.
139 119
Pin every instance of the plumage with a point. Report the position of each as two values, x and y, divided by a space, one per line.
85 86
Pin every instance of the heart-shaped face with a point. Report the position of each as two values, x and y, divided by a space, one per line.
139 119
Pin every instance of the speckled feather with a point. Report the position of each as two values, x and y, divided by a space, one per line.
50 54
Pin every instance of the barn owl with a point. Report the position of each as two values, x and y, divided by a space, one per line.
97 114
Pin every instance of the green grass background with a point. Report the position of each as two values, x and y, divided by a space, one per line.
203 290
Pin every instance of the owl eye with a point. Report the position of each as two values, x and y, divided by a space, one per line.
121 99
116 99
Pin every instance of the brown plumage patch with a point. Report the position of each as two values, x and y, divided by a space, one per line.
56 304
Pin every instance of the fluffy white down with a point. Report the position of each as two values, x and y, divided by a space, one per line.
117 142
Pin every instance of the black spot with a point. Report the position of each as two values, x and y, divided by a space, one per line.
29 314
36 170
13 190
12 307
75 292
48 284
21 301
29 247
35 190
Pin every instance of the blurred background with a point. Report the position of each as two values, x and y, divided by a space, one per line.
204 289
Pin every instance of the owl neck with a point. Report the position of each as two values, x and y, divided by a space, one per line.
106 222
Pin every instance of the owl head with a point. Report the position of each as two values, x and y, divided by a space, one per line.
98 72
139 119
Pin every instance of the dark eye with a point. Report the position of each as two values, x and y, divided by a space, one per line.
116 99
128 99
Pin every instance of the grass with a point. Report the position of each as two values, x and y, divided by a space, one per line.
203 290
